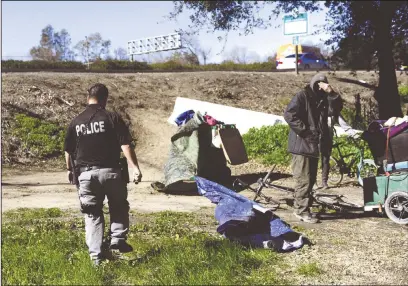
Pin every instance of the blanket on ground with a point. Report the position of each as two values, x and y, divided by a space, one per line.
243 220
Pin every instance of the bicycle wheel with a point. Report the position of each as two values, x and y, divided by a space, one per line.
396 207
336 202
335 175
366 170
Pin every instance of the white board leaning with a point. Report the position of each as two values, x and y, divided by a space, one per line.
154 44
243 119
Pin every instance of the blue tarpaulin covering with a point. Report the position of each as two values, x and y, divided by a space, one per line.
245 220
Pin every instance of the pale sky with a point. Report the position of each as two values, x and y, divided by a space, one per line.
121 21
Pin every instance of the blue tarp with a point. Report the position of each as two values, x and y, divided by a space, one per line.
239 220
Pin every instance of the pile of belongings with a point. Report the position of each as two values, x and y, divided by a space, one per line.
243 220
391 133
196 149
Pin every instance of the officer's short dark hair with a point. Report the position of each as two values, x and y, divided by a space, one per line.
98 91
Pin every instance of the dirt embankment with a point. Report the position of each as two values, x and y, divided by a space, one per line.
57 97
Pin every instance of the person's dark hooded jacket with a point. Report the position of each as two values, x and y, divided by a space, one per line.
306 115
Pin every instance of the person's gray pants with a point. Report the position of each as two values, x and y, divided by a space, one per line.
304 172
326 165
94 185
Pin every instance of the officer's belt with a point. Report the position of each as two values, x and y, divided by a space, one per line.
89 168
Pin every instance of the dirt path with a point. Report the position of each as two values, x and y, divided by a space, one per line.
46 190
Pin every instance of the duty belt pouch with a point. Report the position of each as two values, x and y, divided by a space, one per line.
124 170
76 174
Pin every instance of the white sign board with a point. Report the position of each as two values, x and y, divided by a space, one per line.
243 119
295 24
154 44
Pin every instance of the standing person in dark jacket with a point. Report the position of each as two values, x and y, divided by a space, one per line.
307 115
95 139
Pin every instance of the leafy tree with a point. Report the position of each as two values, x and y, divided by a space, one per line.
238 55
380 20
63 44
54 46
195 50
355 52
93 48
120 54
46 50
184 58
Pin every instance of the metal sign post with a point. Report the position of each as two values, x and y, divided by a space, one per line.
296 43
154 44
294 25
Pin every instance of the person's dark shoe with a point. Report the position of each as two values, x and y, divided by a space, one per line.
325 186
122 246
306 217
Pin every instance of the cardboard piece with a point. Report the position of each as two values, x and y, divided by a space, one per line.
233 146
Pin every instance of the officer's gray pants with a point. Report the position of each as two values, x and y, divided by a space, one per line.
94 185
304 172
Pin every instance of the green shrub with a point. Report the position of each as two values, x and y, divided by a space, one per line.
39 138
172 65
41 65
231 66
126 65
99 66
268 144
403 92
116 65
347 147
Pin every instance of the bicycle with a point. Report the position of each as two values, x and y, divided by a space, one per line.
338 167
330 201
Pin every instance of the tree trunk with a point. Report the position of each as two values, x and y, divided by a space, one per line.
387 96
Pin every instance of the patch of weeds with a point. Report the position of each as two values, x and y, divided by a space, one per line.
309 269
298 228
201 259
29 214
173 224
51 250
338 241
284 101
323 210
45 252
38 138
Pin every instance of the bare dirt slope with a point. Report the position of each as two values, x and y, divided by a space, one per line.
353 250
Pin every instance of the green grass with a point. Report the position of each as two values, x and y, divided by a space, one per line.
47 247
309 269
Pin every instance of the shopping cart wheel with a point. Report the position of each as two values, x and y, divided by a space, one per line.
396 207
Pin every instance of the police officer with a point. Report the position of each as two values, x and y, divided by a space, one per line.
96 137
